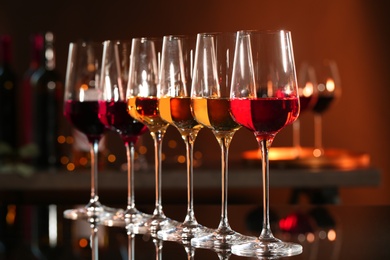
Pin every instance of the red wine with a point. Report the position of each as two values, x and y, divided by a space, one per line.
265 116
85 117
214 113
114 115
323 103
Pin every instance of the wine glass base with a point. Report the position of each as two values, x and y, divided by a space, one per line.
133 220
274 248
183 233
221 239
159 222
98 213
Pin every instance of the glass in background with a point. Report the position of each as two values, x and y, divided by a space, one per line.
329 90
307 91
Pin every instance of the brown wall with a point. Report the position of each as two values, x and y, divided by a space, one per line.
353 32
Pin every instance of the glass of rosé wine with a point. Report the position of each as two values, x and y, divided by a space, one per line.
264 99
142 102
210 105
81 109
175 108
114 115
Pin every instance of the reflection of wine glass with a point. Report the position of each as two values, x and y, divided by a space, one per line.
328 89
143 106
113 114
81 107
264 99
210 106
307 97
175 108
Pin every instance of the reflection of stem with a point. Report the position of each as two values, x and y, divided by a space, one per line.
318 149
131 239
159 245
94 241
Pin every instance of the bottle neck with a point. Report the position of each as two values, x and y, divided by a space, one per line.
37 47
5 50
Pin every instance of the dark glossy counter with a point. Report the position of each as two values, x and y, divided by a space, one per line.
359 232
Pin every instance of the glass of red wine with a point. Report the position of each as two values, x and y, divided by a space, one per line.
264 99
210 105
328 90
175 108
114 115
142 104
307 91
81 109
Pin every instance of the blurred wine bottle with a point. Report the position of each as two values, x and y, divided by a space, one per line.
47 93
27 149
8 109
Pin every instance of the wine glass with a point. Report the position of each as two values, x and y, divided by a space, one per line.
264 99
81 107
210 105
175 108
328 89
307 99
113 114
142 103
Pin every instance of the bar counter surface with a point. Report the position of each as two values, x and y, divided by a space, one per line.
325 232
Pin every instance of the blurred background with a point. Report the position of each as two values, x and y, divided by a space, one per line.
354 33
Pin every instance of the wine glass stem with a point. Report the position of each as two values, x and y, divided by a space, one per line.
296 134
158 137
224 142
94 171
189 141
318 131
130 174
266 232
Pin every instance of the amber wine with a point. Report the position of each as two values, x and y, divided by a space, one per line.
177 112
145 110
214 113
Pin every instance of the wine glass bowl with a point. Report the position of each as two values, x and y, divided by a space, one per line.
210 106
175 108
142 101
114 115
81 109
264 99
